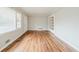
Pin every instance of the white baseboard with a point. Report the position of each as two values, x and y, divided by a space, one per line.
75 48
71 45
39 29
11 42
7 45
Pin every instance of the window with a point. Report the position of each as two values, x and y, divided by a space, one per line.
18 20
10 20
7 20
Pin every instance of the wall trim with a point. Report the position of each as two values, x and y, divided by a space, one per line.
66 42
38 29
8 44
61 39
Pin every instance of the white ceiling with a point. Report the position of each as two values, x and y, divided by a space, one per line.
39 11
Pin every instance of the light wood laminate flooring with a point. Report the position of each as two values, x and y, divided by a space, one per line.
38 41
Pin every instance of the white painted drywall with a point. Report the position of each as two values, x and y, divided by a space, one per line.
25 22
67 25
38 23
13 35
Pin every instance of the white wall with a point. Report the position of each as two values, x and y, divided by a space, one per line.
25 22
67 25
13 35
38 23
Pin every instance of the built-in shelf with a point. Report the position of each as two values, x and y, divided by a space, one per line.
51 22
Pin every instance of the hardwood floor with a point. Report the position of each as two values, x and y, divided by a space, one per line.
38 41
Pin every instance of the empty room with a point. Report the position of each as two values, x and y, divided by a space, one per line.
39 29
